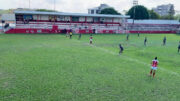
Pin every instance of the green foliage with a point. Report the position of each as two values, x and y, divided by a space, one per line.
6 11
168 17
138 12
153 15
177 17
111 11
45 10
54 68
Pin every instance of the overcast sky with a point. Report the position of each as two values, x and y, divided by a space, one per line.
81 6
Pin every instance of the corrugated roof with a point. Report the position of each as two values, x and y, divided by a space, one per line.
70 14
153 21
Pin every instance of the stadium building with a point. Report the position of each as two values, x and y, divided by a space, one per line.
57 22
153 26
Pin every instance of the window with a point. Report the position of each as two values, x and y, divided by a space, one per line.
52 18
97 11
28 17
60 18
96 19
92 11
89 19
75 19
82 19
19 18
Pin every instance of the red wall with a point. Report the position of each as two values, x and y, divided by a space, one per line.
79 31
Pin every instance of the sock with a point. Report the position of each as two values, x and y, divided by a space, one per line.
154 74
151 72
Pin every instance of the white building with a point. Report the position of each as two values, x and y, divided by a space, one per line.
135 2
164 10
97 10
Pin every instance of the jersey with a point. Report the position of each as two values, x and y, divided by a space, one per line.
154 63
145 40
70 33
91 37
164 40
121 48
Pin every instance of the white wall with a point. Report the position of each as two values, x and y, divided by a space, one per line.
35 17
89 19
60 18
44 17
108 20
117 20
81 19
67 18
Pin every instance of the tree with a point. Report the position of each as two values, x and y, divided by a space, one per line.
177 17
168 17
111 11
45 10
171 11
138 12
153 15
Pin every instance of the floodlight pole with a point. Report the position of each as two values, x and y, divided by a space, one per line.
134 13
133 16
29 4
54 5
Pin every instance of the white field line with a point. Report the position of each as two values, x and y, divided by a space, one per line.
133 60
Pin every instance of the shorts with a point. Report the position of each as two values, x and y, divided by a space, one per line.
154 68
91 40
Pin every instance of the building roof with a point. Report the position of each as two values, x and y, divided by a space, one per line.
153 21
70 14
96 8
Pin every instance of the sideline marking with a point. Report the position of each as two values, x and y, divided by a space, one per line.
130 59
134 60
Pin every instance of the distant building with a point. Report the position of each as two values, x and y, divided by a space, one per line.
8 18
164 10
97 10
135 2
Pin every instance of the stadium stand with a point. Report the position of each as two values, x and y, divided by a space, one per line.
153 26
55 22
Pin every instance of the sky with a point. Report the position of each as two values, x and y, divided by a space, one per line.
81 6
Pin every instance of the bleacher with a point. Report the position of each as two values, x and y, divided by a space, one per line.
58 22
100 28
153 26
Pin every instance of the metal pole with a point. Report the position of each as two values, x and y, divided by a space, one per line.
29 4
133 17
54 5
134 13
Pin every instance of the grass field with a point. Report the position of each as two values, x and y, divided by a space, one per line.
55 68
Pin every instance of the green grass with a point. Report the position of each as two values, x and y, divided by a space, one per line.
55 68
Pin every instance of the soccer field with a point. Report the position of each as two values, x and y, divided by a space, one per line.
56 68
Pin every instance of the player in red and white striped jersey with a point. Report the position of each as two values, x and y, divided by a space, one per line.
91 39
154 67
